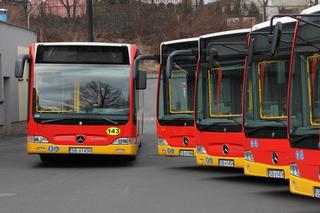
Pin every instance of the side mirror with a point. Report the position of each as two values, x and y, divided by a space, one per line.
19 68
213 57
177 53
141 81
250 52
275 38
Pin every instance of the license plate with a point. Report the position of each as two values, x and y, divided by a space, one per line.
276 173
80 150
186 153
226 163
317 192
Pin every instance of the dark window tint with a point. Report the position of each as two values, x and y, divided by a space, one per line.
83 54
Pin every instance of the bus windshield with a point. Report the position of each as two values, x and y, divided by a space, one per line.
219 86
81 91
305 94
266 85
176 93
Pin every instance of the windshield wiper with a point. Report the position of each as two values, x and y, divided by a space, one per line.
79 117
216 124
54 120
104 117
166 121
233 119
280 121
257 128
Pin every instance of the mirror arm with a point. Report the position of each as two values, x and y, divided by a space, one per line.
170 59
140 58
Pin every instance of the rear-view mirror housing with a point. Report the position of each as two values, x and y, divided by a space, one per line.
19 67
141 81
276 38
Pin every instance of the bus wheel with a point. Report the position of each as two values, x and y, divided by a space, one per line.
46 158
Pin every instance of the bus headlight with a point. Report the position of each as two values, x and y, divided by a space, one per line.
125 141
294 171
248 156
162 142
201 150
37 139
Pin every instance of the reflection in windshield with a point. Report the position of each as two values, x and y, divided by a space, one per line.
313 89
99 96
179 93
81 89
176 93
273 83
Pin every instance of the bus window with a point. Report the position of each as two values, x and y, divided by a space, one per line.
273 81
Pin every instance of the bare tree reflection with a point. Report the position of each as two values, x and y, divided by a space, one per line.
98 94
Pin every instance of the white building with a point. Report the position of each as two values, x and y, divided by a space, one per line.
274 7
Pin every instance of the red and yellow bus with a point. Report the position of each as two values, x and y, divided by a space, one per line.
304 102
175 103
218 113
84 98
267 150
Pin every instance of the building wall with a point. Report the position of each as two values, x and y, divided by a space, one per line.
13 41
274 6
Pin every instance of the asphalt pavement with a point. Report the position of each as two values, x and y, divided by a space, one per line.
151 184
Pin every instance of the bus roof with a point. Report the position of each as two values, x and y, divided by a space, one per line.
229 32
179 41
311 10
82 44
284 20
266 24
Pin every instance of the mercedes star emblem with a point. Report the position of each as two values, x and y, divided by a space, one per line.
275 158
185 141
225 149
80 138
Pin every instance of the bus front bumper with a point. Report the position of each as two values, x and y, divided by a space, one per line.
265 170
304 187
170 151
33 148
219 161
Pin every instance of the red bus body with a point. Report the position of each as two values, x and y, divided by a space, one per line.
303 99
267 151
98 139
176 136
221 144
